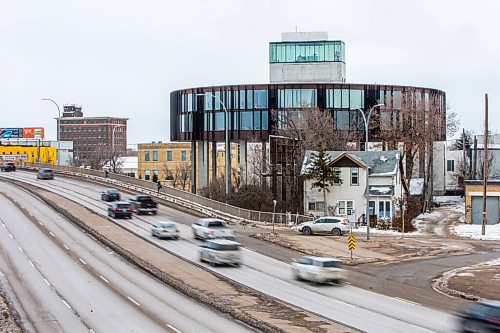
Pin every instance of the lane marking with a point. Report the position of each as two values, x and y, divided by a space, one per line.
50 232
3 224
66 247
31 263
406 301
47 282
66 303
133 301
103 278
10 235
40 223
173 328
82 261
20 249
22 207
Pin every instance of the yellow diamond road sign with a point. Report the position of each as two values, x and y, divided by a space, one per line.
351 243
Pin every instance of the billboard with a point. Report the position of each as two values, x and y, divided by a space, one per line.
11 133
33 133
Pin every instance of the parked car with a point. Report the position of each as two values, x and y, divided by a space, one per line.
335 225
165 229
209 228
8 166
318 269
220 251
143 204
482 316
110 194
45 173
120 209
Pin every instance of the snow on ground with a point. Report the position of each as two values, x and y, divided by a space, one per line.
474 231
449 199
362 230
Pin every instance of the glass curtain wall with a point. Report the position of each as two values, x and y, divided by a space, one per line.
307 52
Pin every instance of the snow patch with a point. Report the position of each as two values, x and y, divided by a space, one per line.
474 231
416 186
466 274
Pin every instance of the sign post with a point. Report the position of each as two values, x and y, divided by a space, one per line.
351 244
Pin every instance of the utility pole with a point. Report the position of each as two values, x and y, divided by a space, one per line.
485 161
465 156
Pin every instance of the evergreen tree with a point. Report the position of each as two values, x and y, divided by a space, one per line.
322 174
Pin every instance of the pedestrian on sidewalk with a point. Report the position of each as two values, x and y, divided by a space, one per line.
159 186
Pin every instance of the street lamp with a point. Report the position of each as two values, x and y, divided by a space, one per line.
274 212
226 135
58 126
366 120
113 137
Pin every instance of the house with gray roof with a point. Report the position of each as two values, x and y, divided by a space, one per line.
347 197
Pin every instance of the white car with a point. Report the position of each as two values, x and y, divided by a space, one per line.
220 251
165 229
335 225
319 269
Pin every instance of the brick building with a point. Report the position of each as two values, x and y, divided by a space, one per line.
94 138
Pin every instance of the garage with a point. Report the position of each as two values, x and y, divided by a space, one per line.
474 201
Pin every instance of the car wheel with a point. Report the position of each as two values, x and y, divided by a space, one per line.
109 213
152 233
307 231
114 215
154 213
336 232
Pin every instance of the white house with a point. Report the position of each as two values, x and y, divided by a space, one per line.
347 198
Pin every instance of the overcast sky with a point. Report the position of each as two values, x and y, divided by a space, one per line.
123 58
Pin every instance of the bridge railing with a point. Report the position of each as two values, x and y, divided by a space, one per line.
233 211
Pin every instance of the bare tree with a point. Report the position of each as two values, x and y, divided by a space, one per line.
116 162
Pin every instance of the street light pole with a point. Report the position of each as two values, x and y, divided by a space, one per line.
113 137
366 120
226 137
58 127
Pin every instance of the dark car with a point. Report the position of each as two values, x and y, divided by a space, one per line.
482 316
8 166
45 173
120 209
110 194
143 204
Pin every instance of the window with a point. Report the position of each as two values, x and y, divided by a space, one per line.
183 155
344 207
320 205
450 165
208 101
147 175
246 121
169 155
384 209
256 120
146 156
155 155
337 172
354 176
260 99
219 121
265 121
249 99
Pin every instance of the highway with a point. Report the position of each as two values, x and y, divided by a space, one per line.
65 281
364 310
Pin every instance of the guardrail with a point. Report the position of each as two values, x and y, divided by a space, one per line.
184 198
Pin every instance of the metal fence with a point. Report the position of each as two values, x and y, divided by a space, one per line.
209 204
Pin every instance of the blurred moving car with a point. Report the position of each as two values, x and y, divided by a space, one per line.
45 173
165 229
335 225
319 269
110 194
209 228
220 251
143 204
120 209
8 166
482 316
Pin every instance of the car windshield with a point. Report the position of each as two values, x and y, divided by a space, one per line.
224 247
166 226
123 206
217 224
112 191
45 171
143 199
332 263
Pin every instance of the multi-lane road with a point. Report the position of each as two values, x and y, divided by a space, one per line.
100 291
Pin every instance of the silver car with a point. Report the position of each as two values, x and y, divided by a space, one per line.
335 225
220 251
165 229
45 173
319 269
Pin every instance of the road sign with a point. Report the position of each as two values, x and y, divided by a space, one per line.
351 243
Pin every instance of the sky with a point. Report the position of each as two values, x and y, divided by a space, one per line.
123 58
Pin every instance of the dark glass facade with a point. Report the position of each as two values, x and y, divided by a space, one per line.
198 114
